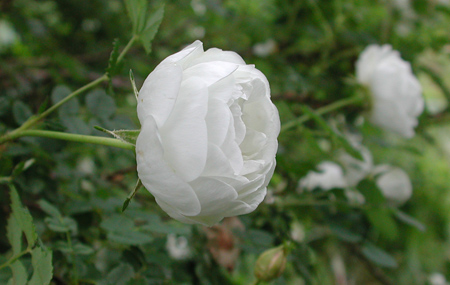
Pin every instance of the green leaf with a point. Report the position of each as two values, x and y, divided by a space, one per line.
151 28
128 136
100 104
42 267
369 189
61 225
43 106
112 62
71 107
21 112
22 166
75 125
382 220
49 209
130 237
22 217
128 200
407 219
120 274
78 248
137 10
117 223
62 246
378 256
345 234
336 137
82 249
133 83
19 274
14 235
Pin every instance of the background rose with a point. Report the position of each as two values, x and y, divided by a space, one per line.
396 93
209 135
392 181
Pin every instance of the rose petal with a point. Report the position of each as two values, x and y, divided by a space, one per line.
218 120
159 92
184 135
217 164
156 175
215 54
210 72
214 195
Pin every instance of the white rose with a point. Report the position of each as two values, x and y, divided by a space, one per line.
328 176
355 169
394 183
396 93
209 135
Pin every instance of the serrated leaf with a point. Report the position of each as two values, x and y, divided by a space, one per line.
378 256
151 28
113 67
128 200
336 137
120 274
42 267
137 10
19 274
14 235
100 104
49 209
22 217
21 112
128 136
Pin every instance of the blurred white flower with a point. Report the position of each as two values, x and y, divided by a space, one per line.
86 165
394 183
437 279
395 91
328 176
209 132
265 48
199 7
356 170
8 36
177 247
298 232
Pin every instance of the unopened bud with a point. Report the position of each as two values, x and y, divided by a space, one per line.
271 263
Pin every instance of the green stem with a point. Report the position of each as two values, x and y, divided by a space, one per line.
74 138
127 48
14 258
33 120
321 111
